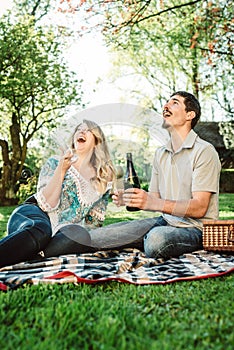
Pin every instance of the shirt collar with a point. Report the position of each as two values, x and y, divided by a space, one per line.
188 142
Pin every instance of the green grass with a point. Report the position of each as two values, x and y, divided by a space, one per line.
184 315
5 212
189 315
226 206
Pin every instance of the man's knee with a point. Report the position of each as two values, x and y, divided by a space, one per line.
166 242
154 241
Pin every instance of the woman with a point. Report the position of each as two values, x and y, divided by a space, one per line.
71 198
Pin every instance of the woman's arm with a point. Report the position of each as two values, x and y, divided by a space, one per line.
51 180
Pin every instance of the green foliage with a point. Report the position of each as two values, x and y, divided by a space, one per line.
36 86
227 130
172 45
36 8
28 189
34 77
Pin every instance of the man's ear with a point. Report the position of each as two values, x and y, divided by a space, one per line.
191 115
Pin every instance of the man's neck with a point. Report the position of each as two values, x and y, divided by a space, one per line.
178 137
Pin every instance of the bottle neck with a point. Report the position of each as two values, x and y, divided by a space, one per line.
129 157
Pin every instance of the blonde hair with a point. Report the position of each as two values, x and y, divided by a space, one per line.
100 159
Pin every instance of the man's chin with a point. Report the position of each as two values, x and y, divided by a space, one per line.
165 124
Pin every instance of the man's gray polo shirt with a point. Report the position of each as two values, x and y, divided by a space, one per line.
195 167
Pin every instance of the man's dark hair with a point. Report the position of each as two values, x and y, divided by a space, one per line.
191 104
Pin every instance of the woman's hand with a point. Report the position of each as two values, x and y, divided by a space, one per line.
117 197
66 161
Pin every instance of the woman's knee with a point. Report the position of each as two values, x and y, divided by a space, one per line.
19 219
77 234
31 218
25 215
70 239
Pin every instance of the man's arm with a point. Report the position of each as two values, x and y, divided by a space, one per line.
196 207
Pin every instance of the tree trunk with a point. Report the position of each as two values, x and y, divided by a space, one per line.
12 165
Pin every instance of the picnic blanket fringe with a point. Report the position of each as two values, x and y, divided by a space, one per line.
129 266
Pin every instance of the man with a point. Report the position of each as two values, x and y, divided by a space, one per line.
184 185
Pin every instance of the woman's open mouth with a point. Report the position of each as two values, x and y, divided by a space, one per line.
81 139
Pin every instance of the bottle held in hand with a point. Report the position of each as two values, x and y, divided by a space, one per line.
131 179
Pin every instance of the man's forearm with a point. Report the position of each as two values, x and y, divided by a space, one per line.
195 207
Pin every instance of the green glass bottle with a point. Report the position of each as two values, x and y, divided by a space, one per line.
131 179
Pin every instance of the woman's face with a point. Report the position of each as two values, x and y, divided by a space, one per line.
83 140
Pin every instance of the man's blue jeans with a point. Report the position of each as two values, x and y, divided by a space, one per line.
125 234
153 235
165 241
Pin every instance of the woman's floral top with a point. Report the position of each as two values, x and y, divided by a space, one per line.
79 202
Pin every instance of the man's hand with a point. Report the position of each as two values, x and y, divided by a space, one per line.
130 197
135 197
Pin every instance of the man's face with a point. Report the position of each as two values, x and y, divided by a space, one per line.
174 114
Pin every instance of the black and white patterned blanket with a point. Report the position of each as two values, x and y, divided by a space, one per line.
129 265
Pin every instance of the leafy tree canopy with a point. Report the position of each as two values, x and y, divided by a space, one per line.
166 40
36 86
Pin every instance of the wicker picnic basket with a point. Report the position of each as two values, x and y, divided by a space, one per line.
218 235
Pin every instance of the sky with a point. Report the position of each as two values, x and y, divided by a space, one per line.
89 57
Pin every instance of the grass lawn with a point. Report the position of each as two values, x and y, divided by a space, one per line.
184 315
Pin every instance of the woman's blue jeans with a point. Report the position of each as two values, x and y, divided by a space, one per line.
165 241
29 231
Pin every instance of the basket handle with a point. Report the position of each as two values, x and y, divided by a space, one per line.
230 232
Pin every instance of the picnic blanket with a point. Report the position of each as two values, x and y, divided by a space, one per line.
129 265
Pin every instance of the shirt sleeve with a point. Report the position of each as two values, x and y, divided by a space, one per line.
206 171
47 171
